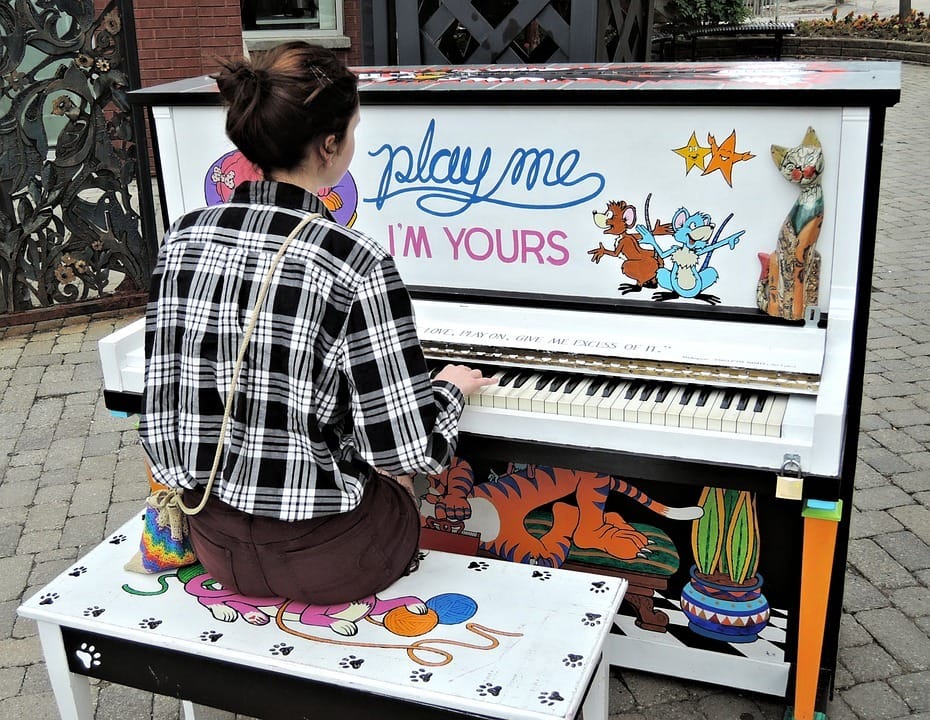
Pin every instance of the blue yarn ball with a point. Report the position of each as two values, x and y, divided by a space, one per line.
452 608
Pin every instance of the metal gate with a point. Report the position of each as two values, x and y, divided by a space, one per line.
415 32
70 221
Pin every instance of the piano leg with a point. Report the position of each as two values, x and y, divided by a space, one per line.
821 521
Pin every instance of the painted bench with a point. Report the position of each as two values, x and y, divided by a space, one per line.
461 637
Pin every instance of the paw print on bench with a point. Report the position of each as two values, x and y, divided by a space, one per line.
591 619
550 698
486 689
93 611
572 660
599 587
541 575
281 649
351 662
478 565
48 598
78 571
117 539
149 623
420 675
88 656
210 635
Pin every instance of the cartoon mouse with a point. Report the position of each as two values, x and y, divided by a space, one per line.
641 263
692 233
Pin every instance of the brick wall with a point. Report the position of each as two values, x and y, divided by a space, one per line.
179 38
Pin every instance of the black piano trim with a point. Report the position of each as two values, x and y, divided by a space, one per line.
116 401
636 467
234 687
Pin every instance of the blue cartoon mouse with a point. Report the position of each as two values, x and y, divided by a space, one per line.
694 236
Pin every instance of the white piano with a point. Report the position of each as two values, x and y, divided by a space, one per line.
490 186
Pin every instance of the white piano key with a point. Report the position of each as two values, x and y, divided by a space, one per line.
608 394
773 423
744 421
484 397
741 405
556 394
648 400
583 394
760 419
504 387
725 400
707 400
624 397
664 398
530 390
576 385
683 395
520 387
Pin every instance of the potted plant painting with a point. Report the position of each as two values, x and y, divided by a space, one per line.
724 600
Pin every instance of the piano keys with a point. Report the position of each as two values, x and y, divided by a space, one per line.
644 402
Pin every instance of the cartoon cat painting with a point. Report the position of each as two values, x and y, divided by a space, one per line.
790 276
496 511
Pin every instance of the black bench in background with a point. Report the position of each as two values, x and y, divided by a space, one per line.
665 41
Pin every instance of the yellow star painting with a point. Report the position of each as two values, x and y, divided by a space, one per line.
693 153
724 156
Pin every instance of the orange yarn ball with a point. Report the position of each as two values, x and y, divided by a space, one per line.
401 621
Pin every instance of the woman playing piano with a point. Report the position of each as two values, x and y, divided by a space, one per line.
334 397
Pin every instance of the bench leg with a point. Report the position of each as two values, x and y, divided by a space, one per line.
72 691
187 709
595 702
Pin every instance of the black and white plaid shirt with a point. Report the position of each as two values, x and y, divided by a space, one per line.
333 382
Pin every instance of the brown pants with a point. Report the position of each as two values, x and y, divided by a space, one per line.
334 559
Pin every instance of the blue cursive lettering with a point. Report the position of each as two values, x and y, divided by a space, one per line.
449 181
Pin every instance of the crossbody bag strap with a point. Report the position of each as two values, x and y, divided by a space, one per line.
262 292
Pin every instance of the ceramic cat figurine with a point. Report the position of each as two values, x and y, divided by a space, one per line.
790 276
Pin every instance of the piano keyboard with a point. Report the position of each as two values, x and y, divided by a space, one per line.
644 402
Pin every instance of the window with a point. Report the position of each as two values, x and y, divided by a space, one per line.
269 22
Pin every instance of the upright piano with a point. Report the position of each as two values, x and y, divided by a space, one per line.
667 268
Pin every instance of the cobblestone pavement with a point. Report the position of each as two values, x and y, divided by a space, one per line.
70 475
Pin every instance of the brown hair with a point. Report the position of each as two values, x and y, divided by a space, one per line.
285 100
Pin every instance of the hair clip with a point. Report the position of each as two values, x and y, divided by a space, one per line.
322 78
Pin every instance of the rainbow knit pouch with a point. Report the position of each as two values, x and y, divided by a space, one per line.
165 543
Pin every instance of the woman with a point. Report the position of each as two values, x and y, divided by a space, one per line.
333 383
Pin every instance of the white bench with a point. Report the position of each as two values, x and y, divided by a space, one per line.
498 640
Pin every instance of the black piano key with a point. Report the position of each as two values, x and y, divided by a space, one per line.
572 383
703 397
743 401
521 380
595 384
761 399
610 386
633 389
507 377
686 395
543 381
557 382
647 390
664 389
726 400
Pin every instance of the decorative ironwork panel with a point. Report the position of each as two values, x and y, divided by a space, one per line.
413 32
70 228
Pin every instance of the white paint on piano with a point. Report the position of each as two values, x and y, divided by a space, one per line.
122 358
758 666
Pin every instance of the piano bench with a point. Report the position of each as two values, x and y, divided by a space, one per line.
461 637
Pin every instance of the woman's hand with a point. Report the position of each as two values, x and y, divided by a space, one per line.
464 378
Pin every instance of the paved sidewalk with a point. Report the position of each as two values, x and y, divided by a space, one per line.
70 474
